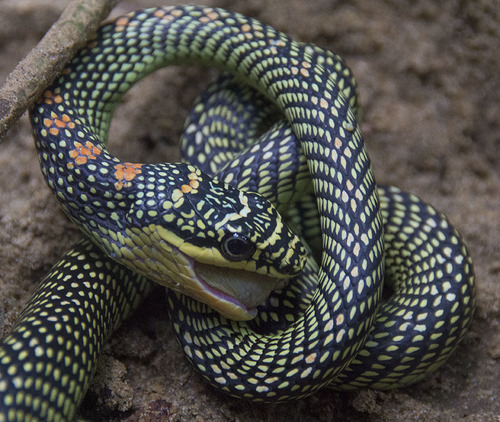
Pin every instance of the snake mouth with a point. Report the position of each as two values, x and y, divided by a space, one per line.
234 293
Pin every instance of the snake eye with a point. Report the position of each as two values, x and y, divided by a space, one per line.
236 247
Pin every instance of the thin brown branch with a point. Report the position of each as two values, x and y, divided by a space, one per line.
41 66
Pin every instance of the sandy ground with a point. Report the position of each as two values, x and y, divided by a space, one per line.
430 88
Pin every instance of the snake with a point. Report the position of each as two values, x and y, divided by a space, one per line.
179 226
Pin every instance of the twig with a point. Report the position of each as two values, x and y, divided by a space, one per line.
41 66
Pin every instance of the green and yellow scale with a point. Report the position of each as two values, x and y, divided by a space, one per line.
225 245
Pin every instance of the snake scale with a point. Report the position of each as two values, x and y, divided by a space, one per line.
169 223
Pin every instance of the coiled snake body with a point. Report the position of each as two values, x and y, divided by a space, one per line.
172 222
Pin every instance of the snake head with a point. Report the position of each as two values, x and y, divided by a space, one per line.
204 238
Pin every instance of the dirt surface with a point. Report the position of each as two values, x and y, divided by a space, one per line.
429 77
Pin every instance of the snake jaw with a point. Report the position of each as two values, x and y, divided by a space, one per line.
234 293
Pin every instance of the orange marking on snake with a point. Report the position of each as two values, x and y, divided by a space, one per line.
125 173
49 98
56 123
82 153
186 188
